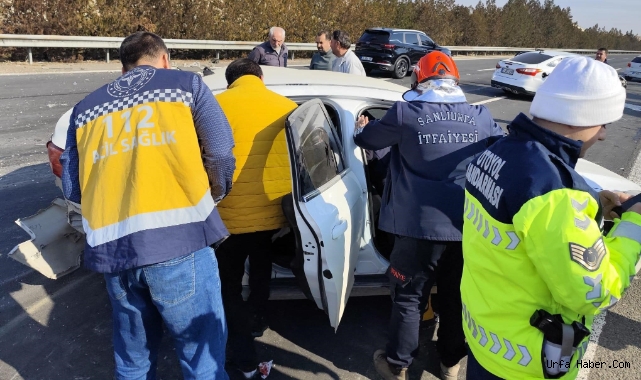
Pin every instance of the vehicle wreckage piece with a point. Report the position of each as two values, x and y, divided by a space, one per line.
55 246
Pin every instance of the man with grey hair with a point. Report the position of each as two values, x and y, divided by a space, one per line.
272 52
324 58
346 61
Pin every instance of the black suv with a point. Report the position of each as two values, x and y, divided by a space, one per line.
395 50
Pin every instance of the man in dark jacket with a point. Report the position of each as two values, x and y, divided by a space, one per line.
433 136
602 55
272 52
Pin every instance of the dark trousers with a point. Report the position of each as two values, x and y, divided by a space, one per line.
231 255
475 371
415 265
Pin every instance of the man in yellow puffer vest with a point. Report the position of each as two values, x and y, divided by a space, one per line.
252 211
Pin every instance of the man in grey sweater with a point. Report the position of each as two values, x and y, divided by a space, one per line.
323 59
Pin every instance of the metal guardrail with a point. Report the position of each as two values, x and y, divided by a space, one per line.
49 41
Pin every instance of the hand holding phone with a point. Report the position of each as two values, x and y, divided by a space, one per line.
628 205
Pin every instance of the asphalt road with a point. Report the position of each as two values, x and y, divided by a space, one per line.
62 329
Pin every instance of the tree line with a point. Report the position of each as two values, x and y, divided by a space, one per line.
519 23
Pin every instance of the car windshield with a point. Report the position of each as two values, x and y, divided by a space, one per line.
637 60
375 37
531 58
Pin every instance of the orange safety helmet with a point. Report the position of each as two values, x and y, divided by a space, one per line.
435 65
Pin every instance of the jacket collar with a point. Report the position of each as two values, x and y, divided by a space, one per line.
436 91
566 149
269 49
247 80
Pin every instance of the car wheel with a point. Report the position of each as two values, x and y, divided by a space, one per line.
400 68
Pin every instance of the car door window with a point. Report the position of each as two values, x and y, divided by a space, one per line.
396 38
426 41
319 154
411 38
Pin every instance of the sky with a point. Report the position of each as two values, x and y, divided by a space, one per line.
621 14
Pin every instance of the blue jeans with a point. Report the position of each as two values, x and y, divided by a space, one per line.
184 293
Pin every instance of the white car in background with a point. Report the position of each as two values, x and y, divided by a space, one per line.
526 72
336 249
634 69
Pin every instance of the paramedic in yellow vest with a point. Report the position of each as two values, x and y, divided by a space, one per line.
252 211
148 156
537 267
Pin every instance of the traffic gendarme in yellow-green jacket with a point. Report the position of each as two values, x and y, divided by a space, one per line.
262 177
531 241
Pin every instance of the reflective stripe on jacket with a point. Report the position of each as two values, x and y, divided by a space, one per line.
531 240
133 159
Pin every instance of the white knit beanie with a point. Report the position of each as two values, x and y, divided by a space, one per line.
581 92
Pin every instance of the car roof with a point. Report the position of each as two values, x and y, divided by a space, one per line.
551 53
394 30
294 82
554 53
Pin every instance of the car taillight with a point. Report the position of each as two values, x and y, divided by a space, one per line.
498 66
54 153
530 72
629 64
389 46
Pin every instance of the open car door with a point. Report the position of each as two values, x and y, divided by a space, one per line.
329 208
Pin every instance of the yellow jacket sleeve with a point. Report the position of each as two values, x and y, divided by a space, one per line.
585 271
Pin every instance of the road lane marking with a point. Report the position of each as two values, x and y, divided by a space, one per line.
489 100
486 70
635 176
633 107
597 328
618 69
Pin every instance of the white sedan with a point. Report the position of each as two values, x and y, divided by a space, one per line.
526 72
634 69
336 251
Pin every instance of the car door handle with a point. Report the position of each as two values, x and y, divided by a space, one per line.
339 229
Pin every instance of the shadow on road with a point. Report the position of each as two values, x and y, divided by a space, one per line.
362 331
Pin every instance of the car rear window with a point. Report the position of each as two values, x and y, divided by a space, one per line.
637 60
531 58
374 37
